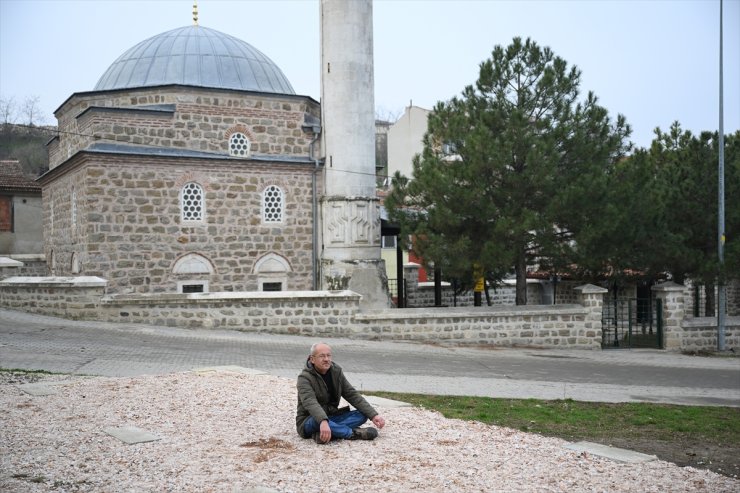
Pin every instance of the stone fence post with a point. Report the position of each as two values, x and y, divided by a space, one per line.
592 298
411 277
672 299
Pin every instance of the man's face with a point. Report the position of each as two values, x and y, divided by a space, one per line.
321 358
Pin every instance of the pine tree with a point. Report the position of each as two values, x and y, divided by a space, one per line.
511 169
688 189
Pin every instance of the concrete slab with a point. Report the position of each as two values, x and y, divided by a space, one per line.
40 388
613 453
383 402
131 434
232 368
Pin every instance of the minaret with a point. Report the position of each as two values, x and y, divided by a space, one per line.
350 218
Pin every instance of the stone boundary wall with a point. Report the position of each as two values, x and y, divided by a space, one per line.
561 326
338 314
76 298
682 332
23 265
313 313
310 313
700 333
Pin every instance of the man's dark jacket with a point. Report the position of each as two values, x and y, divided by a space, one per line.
314 399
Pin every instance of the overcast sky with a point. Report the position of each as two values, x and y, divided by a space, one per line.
654 61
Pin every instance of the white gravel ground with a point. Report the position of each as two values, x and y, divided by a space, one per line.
231 432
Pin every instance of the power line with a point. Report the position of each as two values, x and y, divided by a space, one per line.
54 130
57 131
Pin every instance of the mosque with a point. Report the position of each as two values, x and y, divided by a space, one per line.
193 166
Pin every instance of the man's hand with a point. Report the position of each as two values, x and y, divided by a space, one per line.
378 421
324 431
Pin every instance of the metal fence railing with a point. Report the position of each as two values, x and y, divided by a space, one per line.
633 322
393 290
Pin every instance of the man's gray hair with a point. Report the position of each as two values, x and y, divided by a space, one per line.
315 345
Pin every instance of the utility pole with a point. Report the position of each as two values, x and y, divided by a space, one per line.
721 298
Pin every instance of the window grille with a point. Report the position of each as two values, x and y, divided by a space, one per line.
238 145
388 241
192 288
192 204
272 205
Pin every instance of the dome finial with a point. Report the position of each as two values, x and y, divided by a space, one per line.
195 12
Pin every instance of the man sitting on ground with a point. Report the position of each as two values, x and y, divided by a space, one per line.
320 386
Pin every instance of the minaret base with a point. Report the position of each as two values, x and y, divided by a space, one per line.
364 277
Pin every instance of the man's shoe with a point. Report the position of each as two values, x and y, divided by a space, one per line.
317 438
368 433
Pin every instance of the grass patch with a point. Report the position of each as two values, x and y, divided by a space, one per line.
700 436
29 372
575 419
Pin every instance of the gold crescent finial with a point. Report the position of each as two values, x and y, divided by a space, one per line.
195 12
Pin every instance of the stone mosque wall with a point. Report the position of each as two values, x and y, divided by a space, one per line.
114 210
196 119
127 225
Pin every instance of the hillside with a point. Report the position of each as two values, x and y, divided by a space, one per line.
27 145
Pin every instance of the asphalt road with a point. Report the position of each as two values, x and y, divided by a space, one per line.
118 350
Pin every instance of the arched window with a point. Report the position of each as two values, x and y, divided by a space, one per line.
273 203
198 268
238 145
193 263
192 203
272 271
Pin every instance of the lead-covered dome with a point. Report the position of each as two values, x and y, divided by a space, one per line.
195 56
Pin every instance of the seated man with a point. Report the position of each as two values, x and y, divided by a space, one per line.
320 386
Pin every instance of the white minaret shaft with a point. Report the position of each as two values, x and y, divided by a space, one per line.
349 207
347 97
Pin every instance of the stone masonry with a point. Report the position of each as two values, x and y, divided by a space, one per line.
127 226
112 197
338 314
191 118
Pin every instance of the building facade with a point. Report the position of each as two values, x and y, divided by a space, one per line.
20 212
187 169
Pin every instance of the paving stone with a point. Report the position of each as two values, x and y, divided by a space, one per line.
39 389
613 453
231 368
387 403
131 434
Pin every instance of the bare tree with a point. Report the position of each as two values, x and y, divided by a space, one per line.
31 110
386 115
8 110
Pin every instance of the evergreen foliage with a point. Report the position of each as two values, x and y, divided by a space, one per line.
511 169
687 191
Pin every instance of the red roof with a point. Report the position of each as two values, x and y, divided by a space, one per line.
13 179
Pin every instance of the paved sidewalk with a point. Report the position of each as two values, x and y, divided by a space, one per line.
110 349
